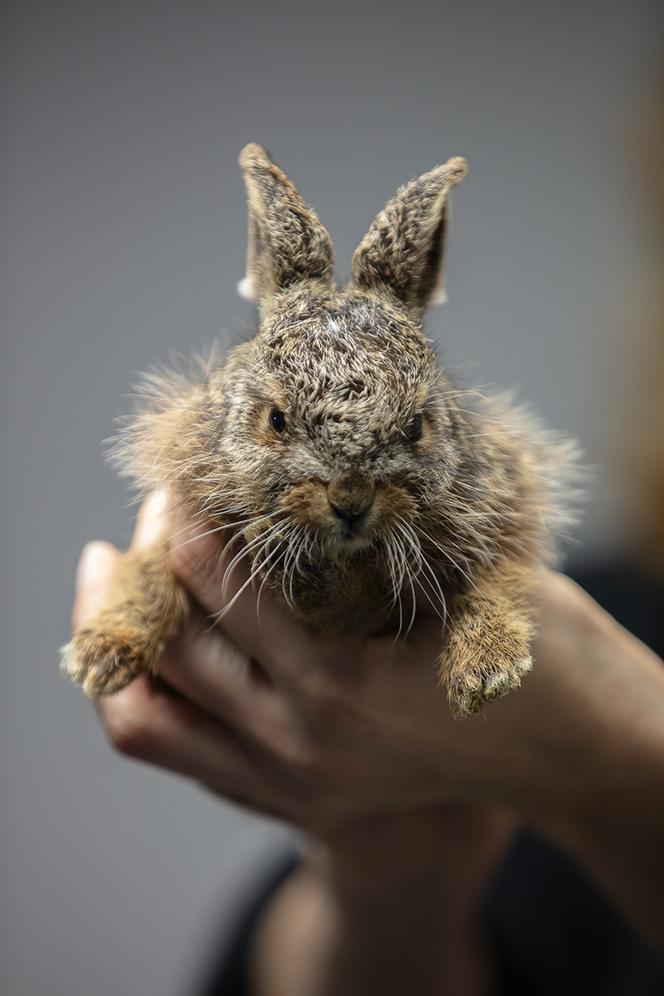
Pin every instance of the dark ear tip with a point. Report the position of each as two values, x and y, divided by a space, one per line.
253 154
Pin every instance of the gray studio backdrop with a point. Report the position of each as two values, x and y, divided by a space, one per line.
123 237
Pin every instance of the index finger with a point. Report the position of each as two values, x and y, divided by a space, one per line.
221 581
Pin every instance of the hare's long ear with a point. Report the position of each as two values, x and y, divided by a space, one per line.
287 242
402 253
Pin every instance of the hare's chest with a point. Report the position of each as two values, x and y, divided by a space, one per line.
354 597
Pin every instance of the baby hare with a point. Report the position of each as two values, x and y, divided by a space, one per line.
357 480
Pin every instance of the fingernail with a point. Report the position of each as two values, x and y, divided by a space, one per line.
91 562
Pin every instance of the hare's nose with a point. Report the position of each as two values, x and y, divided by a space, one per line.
351 516
350 500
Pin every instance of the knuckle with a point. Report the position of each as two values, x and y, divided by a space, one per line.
332 708
308 762
299 756
320 692
127 731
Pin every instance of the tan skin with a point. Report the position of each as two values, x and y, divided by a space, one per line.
407 809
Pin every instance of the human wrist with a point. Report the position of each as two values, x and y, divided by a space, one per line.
442 851
317 938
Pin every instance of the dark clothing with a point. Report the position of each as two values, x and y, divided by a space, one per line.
551 931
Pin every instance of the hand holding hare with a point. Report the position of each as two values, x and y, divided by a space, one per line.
354 476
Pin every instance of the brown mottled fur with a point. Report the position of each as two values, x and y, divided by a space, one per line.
146 607
385 484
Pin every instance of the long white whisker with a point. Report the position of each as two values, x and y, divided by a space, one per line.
266 576
424 568
293 543
414 600
389 558
403 570
408 575
396 573
247 550
447 555
257 566
220 615
250 521
301 549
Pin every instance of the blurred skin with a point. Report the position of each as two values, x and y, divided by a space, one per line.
407 809
642 454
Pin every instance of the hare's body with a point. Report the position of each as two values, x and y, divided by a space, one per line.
360 480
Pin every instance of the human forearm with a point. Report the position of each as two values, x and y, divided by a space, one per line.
388 906
596 790
616 830
317 940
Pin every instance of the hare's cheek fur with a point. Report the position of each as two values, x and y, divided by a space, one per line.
308 505
384 488
314 506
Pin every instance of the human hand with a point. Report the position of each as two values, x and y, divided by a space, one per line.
264 713
328 733
322 731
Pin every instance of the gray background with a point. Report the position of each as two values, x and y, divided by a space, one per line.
123 237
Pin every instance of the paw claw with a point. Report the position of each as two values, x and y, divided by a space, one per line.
69 663
101 662
524 665
472 686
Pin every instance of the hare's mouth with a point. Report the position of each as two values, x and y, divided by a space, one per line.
351 527
350 537
354 541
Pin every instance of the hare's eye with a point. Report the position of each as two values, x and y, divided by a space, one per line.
277 420
415 428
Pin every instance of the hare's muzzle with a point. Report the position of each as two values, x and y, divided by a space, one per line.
350 501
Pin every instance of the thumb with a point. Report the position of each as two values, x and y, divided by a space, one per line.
152 521
93 575
98 560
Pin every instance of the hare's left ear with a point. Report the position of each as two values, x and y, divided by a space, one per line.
402 253
287 242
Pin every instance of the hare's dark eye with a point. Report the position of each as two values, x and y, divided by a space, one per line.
277 420
415 428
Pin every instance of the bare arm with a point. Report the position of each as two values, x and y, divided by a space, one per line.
609 773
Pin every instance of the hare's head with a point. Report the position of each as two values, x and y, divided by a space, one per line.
340 387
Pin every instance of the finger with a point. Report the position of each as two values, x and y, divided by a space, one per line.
149 722
207 668
98 559
206 568
152 520
95 569
203 556
424 644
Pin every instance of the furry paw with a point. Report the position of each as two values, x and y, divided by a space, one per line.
103 662
477 681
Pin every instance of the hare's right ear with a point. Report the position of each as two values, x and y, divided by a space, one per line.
287 242
402 253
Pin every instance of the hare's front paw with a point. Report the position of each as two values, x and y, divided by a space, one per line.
477 675
103 659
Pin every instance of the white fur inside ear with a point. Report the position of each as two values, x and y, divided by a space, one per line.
245 289
438 297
